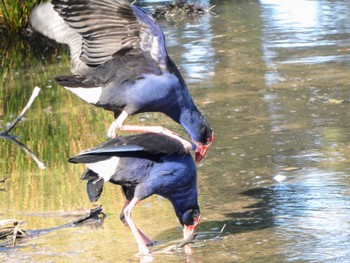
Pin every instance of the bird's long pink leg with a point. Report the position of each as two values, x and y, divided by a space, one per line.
146 240
118 124
143 249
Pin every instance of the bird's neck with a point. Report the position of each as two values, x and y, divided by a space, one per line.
189 116
193 122
185 199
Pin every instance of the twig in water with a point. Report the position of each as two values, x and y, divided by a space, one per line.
18 232
222 230
10 231
209 10
95 214
188 240
25 109
5 134
172 248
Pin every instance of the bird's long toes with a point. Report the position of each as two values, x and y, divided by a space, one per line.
151 243
146 240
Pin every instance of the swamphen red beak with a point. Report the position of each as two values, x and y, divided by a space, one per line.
202 149
188 231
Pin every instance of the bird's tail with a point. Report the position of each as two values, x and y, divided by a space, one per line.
94 185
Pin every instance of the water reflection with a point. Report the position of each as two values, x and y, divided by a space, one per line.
194 41
277 98
298 115
314 213
303 32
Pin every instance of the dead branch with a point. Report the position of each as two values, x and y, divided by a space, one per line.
18 232
174 248
188 240
10 231
10 227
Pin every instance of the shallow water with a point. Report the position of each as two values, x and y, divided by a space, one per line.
272 78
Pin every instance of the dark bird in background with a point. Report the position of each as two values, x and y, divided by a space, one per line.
145 164
120 63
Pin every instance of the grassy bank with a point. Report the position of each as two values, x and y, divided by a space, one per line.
14 15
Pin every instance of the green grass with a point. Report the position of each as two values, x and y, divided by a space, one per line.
14 15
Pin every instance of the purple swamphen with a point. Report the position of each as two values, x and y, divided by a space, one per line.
145 164
120 63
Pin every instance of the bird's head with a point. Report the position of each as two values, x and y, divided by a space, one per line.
185 201
199 129
202 146
190 220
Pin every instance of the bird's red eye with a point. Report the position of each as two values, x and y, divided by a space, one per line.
196 221
208 143
210 140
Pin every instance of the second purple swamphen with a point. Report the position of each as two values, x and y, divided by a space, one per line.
120 63
145 164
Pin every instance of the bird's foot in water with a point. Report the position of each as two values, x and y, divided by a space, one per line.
144 251
151 243
145 258
148 242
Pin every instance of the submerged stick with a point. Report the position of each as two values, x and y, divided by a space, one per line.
222 230
209 9
188 240
93 214
11 234
172 248
24 111
17 232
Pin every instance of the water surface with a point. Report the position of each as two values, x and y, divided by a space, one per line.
272 77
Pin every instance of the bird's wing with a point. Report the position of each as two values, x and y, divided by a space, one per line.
103 27
46 20
113 149
103 153
151 144
151 37
157 143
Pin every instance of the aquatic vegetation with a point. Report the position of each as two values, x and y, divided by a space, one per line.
14 15
180 10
